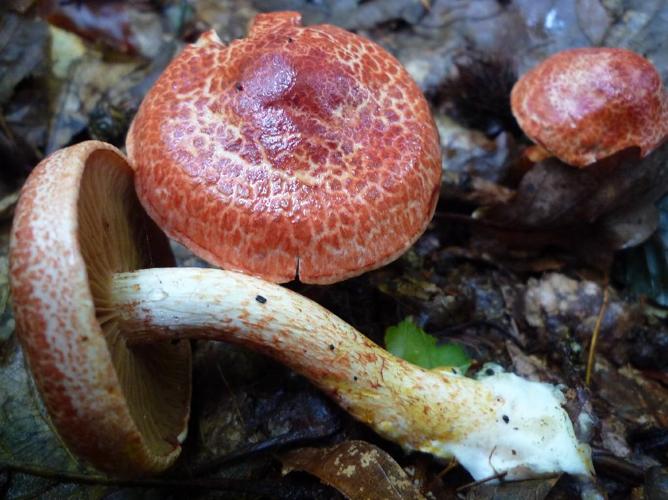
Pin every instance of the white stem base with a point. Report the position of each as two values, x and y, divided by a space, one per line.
499 424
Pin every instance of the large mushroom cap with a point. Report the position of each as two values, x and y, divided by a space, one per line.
297 151
77 222
586 104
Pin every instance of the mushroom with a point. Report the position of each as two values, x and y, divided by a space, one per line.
77 223
99 332
297 151
586 104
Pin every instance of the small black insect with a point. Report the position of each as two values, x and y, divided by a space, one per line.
261 299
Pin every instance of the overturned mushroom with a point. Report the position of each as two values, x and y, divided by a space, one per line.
295 152
583 105
85 309
78 222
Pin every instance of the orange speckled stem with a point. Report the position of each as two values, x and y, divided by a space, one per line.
403 402
434 411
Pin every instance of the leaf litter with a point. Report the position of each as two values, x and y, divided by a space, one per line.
512 268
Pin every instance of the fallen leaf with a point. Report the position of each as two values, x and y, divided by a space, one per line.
26 436
131 27
244 404
357 469
555 195
535 489
23 49
639 402
644 270
629 226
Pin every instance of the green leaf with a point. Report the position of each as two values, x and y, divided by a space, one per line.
412 343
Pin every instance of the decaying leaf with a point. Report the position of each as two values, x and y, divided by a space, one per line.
644 270
26 437
554 195
132 27
357 469
640 402
244 405
536 489
630 225
23 48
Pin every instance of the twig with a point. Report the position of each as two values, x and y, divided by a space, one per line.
595 333
499 475
451 465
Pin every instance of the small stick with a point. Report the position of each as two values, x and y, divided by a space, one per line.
595 333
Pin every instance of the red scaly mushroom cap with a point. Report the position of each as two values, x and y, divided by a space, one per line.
586 104
78 222
302 151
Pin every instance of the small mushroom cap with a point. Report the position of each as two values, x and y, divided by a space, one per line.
586 104
297 151
77 222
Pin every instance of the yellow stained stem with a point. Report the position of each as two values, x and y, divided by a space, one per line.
500 423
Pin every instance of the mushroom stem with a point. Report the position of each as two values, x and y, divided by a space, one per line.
496 424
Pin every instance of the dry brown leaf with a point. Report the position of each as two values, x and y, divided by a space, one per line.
359 470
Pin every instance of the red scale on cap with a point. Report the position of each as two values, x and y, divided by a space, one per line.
297 149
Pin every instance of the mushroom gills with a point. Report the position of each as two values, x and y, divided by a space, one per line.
114 236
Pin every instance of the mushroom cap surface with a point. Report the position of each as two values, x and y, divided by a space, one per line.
586 104
295 152
77 222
